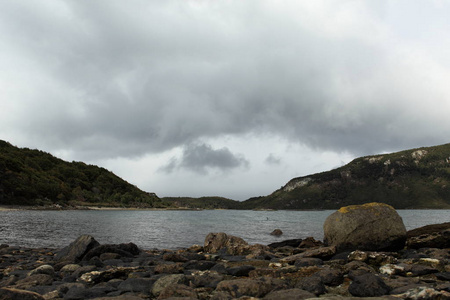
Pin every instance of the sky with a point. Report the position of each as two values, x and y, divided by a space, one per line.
223 98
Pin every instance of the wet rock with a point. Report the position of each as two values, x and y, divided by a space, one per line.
80 293
77 249
206 279
368 285
291 243
312 284
425 293
309 261
240 271
33 280
246 287
166 281
124 250
137 285
177 290
277 232
17 294
331 277
433 240
371 226
44 269
310 242
169 268
199 265
294 294
175 257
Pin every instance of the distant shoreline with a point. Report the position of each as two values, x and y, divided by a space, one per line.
112 208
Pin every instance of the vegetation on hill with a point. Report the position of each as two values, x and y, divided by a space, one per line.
33 177
203 202
417 178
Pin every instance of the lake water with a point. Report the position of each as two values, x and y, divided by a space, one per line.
173 229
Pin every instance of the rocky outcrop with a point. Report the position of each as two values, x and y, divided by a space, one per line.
371 226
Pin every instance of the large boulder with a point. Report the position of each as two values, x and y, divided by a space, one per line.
77 249
371 226
216 241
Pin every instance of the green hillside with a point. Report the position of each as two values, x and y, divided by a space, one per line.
203 202
33 177
417 178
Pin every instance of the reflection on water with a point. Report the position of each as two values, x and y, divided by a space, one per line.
173 229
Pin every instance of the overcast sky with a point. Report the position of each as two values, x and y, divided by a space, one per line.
231 98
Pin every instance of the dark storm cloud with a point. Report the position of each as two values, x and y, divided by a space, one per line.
201 158
129 79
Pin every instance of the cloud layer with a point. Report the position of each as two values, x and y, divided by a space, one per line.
104 80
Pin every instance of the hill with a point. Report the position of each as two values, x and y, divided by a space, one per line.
417 178
203 202
33 177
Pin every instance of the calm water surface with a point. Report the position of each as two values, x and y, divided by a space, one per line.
173 229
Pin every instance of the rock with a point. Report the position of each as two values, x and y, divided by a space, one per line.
44 269
240 270
33 280
77 249
310 242
177 290
136 285
276 232
16 294
309 261
246 287
206 279
175 257
439 239
291 243
201 265
124 250
331 277
424 293
217 241
312 284
166 281
368 285
371 226
294 294
428 229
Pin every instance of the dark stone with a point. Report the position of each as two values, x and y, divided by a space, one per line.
368 285
77 249
292 243
206 279
194 256
439 240
137 285
428 229
420 270
33 280
240 271
331 277
79 293
312 284
405 288
443 276
309 261
219 268
124 250
310 242
175 257
294 294
201 265
277 232
16 294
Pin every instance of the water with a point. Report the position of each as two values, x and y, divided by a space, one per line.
173 229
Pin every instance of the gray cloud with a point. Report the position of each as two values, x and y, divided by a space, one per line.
272 159
202 158
118 81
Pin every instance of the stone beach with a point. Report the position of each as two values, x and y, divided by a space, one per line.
227 267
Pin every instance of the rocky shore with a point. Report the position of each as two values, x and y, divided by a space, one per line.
391 265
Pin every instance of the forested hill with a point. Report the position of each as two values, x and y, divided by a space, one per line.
417 178
33 177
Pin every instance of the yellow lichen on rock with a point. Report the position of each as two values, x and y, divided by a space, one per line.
347 209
